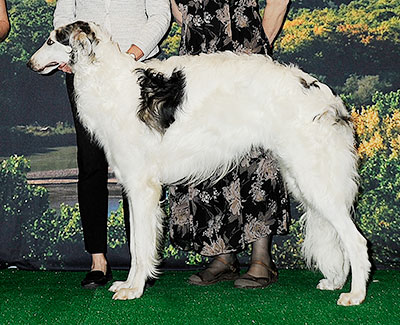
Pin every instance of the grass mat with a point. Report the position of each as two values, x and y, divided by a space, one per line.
56 298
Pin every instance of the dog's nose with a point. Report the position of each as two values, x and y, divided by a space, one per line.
29 64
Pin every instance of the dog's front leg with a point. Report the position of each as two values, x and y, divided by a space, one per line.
145 227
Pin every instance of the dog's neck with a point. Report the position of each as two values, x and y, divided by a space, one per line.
103 56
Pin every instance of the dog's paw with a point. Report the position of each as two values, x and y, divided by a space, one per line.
350 299
117 285
127 294
326 284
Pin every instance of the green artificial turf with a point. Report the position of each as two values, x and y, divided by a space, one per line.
56 298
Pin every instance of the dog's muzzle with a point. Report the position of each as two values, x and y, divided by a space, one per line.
30 65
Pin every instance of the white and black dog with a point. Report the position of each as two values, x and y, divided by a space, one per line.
189 118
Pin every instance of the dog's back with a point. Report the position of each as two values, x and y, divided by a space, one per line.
249 99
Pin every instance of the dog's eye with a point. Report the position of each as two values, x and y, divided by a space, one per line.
50 42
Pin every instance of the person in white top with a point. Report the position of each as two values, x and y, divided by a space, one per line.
4 22
137 26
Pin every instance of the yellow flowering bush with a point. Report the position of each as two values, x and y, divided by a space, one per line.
377 129
333 44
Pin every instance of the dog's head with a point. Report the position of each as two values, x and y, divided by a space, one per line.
68 44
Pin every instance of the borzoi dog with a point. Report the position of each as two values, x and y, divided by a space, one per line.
189 118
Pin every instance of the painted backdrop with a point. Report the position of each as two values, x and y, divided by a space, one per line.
351 45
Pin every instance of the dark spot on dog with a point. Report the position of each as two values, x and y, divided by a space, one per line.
83 26
335 116
63 33
160 97
62 36
308 85
345 120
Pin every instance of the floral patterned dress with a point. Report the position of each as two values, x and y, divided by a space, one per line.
251 202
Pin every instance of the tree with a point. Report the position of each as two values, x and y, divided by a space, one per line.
19 202
361 37
27 96
31 22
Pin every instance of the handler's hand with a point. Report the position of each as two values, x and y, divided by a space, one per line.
65 68
136 51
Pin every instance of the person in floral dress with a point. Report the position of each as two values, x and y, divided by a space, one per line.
250 203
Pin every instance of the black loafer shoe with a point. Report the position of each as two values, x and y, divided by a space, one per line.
94 279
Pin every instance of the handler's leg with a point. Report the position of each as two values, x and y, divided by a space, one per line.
224 267
92 196
262 271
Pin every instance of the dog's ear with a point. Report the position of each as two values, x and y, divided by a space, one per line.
82 41
79 36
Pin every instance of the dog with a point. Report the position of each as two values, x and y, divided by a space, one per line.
187 119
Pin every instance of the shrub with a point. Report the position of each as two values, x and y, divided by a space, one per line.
17 198
51 237
19 202
358 89
378 208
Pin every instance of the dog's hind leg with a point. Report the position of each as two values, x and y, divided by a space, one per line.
357 251
145 226
322 160
355 246
333 229
326 181
330 201
322 248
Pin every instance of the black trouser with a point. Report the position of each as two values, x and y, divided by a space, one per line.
92 184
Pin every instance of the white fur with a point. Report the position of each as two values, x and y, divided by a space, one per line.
232 103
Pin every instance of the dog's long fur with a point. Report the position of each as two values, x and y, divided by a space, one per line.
189 118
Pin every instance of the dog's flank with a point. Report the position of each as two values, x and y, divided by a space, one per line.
206 123
160 97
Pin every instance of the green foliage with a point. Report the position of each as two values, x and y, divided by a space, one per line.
378 207
358 89
286 251
337 43
57 233
387 103
170 46
45 235
18 198
19 201
116 228
31 22
61 128
68 223
49 236
21 90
